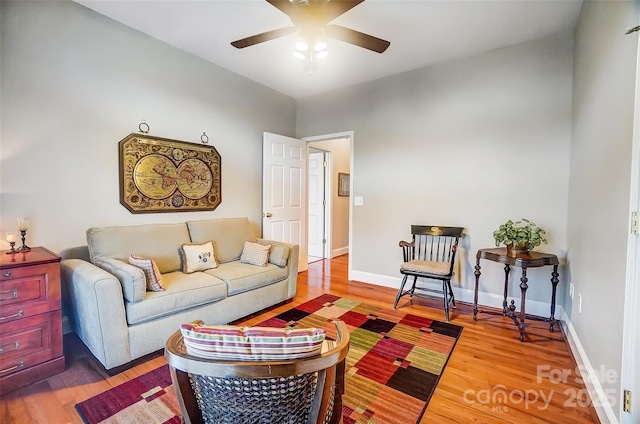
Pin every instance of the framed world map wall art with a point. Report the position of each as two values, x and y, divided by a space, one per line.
163 175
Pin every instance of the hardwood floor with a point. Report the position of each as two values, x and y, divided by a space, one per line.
490 378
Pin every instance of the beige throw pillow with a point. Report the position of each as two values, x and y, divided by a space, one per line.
150 270
255 253
197 257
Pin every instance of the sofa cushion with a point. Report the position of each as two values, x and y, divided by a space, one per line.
182 291
233 343
228 236
151 273
255 253
197 257
428 267
244 277
159 242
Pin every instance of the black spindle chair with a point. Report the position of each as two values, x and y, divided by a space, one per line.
430 255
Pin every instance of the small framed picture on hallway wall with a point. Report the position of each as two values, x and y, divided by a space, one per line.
343 184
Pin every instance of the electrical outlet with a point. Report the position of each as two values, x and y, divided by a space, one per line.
571 290
579 303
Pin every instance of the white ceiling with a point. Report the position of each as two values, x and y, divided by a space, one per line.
421 32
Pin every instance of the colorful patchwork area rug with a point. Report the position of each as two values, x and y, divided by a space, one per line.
394 363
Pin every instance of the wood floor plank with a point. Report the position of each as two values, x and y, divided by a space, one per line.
491 377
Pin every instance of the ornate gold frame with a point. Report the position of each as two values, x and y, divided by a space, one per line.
163 175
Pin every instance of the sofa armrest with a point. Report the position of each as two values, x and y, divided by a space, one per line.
134 283
291 262
96 307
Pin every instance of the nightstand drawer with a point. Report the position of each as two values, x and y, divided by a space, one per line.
29 342
28 291
24 289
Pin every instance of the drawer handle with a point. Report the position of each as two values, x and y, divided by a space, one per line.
13 293
15 367
16 346
7 273
18 315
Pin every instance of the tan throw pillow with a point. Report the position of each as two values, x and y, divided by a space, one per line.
197 257
255 253
150 270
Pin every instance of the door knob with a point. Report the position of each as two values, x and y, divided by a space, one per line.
268 214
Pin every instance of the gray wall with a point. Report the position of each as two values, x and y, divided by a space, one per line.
74 83
605 69
471 143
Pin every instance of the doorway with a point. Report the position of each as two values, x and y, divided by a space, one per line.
334 227
631 330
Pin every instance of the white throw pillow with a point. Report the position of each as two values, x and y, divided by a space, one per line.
197 257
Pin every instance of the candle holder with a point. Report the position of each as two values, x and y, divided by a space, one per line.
24 247
13 248
12 237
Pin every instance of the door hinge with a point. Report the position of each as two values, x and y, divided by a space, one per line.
324 203
634 223
324 164
324 241
626 401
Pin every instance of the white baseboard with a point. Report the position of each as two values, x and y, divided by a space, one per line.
601 403
340 251
537 308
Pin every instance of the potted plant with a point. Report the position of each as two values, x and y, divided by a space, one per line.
519 236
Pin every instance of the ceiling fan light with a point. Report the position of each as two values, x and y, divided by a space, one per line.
299 55
319 46
322 54
301 46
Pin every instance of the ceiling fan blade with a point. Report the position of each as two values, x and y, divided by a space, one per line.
286 7
313 12
332 9
357 38
265 36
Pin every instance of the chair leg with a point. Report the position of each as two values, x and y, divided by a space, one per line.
413 286
446 299
404 281
453 299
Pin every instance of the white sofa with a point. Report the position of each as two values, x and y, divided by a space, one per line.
119 321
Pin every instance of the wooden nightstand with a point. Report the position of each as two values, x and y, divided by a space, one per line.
30 318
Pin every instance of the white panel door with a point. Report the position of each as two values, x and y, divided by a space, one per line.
316 204
284 192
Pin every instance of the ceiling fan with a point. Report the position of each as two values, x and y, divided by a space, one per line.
312 18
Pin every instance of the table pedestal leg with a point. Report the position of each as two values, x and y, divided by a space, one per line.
554 284
523 289
507 268
475 295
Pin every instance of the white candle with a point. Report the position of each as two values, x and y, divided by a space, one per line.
12 237
23 224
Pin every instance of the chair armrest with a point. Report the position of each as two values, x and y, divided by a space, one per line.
407 249
96 307
134 283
